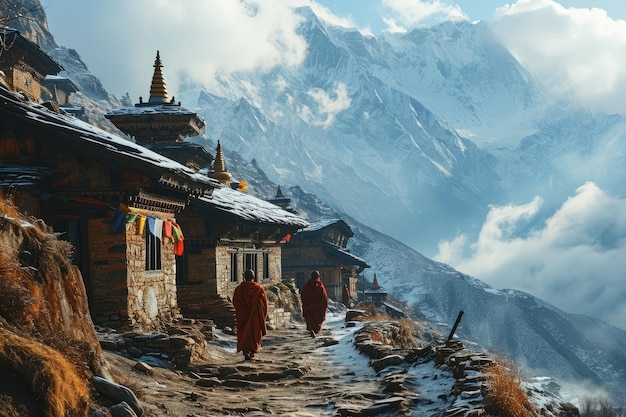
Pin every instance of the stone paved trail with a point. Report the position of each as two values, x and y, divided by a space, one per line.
293 375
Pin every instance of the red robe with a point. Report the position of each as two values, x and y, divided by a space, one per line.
314 304
250 314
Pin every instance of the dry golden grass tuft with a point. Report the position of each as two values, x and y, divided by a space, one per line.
371 312
405 338
506 397
43 378
401 336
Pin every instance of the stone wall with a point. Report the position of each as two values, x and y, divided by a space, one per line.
22 79
275 263
152 297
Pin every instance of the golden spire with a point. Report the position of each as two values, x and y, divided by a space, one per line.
219 168
158 92
375 282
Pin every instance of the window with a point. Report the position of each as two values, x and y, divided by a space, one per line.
266 266
234 274
250 262
153 252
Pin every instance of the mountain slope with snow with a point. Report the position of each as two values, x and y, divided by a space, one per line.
538 337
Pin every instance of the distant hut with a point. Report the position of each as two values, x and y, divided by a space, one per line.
59 90
322 246
376 294
282 201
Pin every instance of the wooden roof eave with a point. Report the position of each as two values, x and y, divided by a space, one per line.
48 64
344 256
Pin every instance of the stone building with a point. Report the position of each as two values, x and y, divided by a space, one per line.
226 232
322 246
24 64
108 196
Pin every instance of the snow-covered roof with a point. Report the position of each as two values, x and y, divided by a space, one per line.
250 208
344 255
326 223
99 143
150 108
63 82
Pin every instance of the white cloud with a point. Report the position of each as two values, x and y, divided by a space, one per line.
580 52
194 37
575 260
327 105
402 15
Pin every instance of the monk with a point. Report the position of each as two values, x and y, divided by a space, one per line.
314 303
345 296
250 314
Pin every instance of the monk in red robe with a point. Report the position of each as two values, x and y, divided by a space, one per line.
250 314
314 303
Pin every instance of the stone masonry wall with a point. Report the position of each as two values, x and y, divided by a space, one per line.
152 297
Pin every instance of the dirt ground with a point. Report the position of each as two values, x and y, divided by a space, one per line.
292 375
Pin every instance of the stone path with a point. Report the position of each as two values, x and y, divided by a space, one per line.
293 375
343 372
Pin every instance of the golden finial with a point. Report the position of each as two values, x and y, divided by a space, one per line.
219 168
158 92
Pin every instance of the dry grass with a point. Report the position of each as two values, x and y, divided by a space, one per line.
44 378
48 347
371 312
506 397
399 335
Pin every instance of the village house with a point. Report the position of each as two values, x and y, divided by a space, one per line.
59 89
322 246
226 232
111 198
24 64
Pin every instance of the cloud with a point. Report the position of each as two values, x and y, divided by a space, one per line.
579 52
194 37
327 105
403 15
575 260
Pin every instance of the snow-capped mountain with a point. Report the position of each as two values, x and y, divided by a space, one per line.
414 135
372 125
